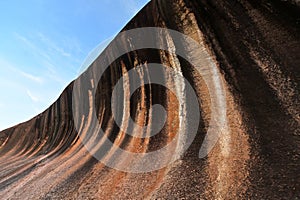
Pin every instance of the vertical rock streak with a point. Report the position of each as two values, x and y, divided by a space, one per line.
251 50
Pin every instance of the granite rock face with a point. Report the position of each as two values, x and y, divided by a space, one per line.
254 48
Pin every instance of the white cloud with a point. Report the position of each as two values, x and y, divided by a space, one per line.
50 55
43 57
8 65
52 45
32 97
31 77
34 49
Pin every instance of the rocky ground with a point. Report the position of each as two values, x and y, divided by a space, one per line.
253 51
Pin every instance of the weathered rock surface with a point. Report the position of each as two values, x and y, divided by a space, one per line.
255 47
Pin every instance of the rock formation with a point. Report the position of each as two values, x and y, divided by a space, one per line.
254 47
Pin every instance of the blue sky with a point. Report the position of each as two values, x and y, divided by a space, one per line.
43 45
